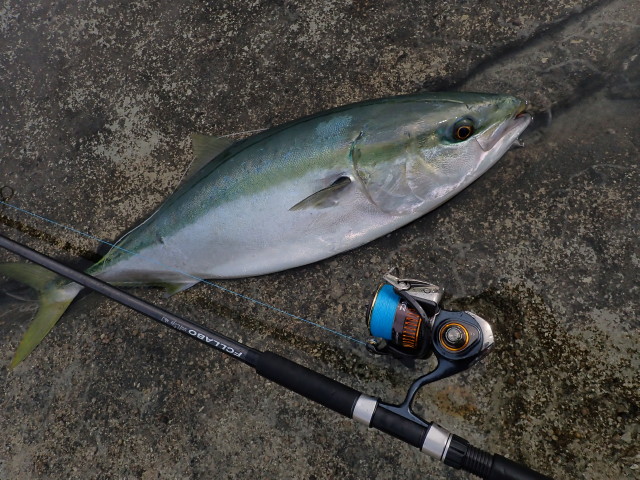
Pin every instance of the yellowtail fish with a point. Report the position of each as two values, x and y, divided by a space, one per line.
299 193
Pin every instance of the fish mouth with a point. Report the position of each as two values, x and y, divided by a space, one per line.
521 109
516 126
506 133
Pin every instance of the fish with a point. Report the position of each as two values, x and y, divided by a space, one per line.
298 193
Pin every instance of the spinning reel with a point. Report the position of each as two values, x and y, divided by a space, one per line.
406 321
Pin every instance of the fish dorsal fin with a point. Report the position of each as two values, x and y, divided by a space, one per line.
205 149
325 198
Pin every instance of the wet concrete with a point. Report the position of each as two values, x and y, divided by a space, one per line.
97 103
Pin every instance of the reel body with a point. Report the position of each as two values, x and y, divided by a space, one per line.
406 321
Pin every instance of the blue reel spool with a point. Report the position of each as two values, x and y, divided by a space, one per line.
394 320
383 312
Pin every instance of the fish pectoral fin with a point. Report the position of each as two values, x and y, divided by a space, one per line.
325 198
171 289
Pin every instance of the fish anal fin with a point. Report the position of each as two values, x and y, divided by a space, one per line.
171 289
325 198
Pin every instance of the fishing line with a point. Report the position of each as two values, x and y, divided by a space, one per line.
220 287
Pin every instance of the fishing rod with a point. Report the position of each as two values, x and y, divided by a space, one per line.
405 321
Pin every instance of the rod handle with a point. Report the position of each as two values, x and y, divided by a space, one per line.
313 385
338 397
398 426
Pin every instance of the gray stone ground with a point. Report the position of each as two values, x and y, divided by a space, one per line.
97 100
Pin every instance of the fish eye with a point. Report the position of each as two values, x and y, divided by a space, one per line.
463 129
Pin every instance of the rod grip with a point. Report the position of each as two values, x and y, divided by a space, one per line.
313 385
398 426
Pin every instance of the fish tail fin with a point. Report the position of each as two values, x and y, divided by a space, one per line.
55 295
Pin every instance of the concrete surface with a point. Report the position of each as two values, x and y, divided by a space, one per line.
97 100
